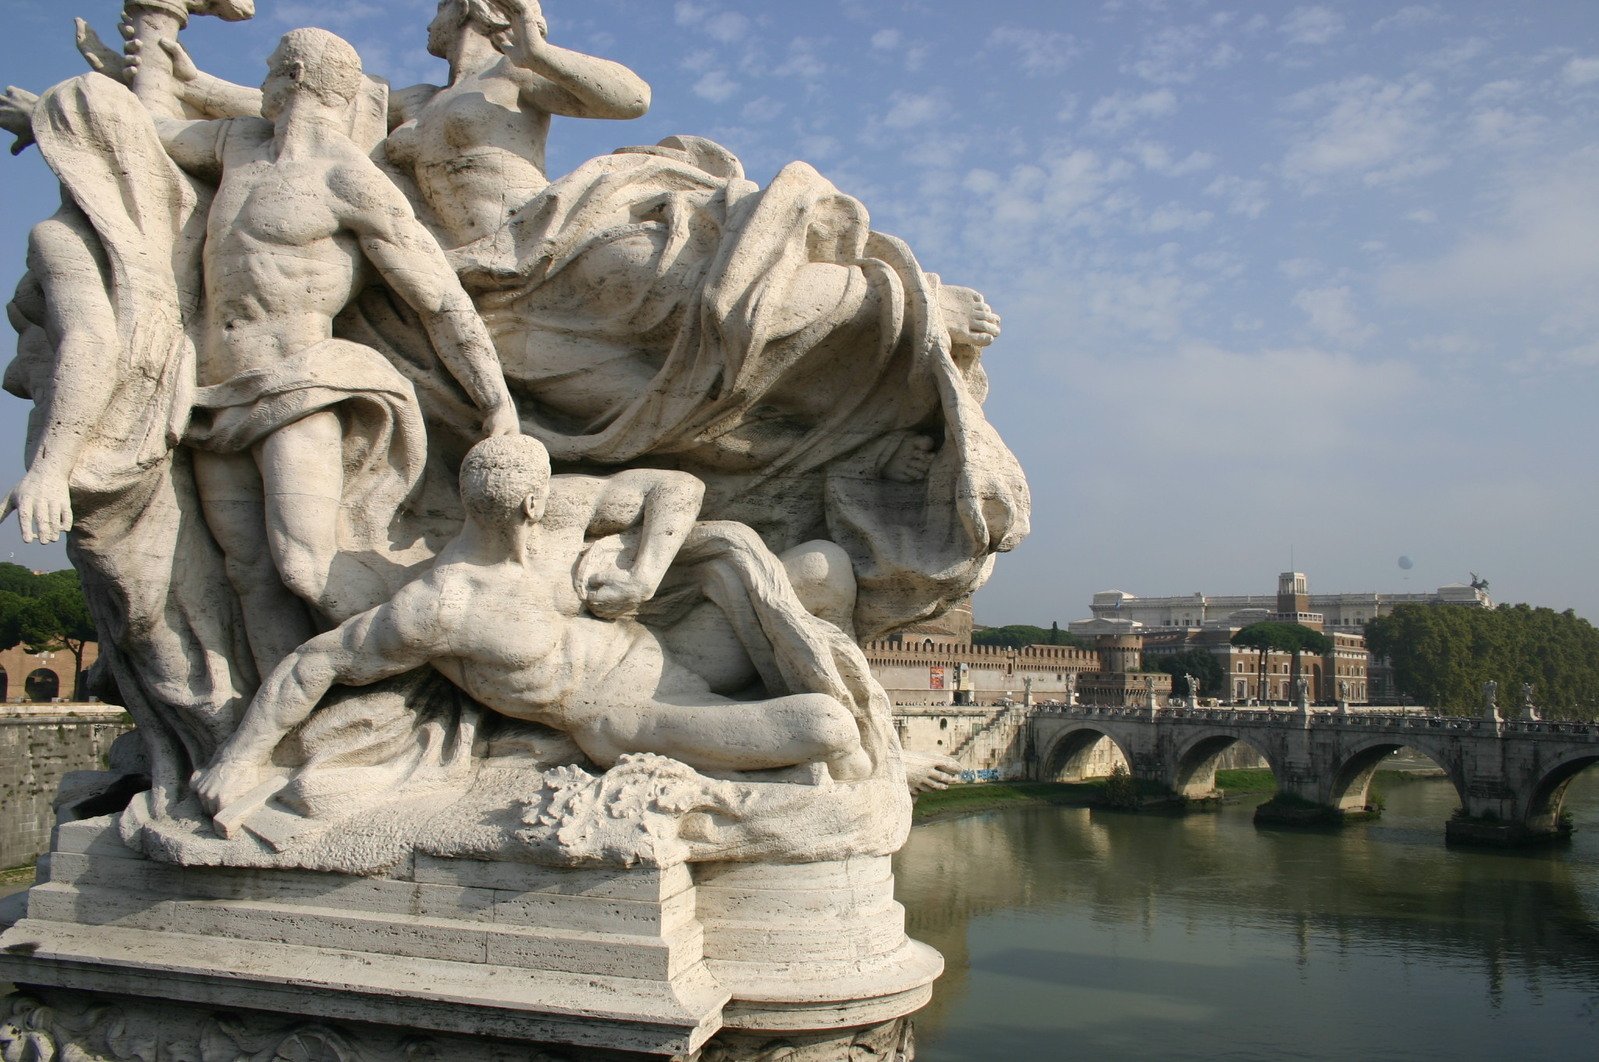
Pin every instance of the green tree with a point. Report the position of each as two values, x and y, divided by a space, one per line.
45 613
1443 655
15 579
1270 636
1205 668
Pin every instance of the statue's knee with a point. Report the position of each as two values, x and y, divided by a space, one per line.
305 574
833 728
821 574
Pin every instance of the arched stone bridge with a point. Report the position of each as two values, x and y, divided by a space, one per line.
1511 775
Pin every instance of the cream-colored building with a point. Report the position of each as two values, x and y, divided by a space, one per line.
1337 611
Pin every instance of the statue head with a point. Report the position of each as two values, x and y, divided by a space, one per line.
477 16
505 480
312 61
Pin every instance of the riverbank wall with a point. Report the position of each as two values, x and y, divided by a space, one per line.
39 745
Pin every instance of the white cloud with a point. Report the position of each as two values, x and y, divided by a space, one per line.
818 146
1112 114
1533 261
886 40
1174 217
1312 26
1246 198
1423 216
1449 344
690 14
1300 268
1039 51
1411 16
339 16
1331 312
699 61
910 110
762 110
724 27
1228 389
1157 158
1582 70
1376 130
1177 55
803 61
715 86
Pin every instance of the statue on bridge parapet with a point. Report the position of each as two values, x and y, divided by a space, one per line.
296 311
1529 710
1490 701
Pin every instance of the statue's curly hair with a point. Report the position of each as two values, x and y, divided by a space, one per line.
498 475
331 66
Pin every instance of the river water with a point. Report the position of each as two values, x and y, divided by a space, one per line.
1078 933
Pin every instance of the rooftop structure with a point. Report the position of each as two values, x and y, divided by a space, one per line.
1116 610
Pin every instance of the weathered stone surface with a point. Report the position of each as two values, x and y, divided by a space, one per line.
40 747
482 554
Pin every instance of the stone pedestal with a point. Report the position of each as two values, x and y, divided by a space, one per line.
448 958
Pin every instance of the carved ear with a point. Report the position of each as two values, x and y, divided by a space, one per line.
296 70
530 506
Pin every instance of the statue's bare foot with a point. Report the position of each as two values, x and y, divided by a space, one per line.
925 772
224 782
912 460
970 320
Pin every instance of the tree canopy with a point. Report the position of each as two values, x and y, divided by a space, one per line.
1442 655
1206 669
45 613
1277 636
1021 635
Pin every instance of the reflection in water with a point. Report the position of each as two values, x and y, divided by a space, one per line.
1080 933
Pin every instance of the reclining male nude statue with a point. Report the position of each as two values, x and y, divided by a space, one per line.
517 616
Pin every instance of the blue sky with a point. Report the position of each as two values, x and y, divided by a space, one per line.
1283 284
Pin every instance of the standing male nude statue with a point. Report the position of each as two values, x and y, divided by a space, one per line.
300 218
513 614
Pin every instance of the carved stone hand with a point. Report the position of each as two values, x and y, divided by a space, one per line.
16 116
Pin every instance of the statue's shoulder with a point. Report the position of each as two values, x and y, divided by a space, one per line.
245 132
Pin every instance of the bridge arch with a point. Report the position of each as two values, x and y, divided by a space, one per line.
1350 787
1069 755
1194 771
1547 798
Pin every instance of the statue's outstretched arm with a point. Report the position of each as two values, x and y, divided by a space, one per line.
409 258
399 635
206 94
569 83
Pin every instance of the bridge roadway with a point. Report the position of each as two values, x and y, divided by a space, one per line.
1511 775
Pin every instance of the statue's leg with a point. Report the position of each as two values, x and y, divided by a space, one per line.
303 474
724 735
705 643
230 494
